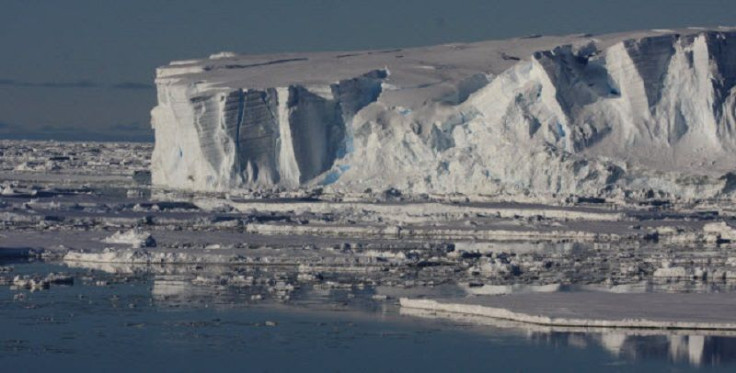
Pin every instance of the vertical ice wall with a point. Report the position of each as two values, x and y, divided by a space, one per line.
652 113
655 112
210 138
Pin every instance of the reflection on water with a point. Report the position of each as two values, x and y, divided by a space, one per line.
695 349
701 348
122 299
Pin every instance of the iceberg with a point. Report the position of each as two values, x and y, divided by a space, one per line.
638 114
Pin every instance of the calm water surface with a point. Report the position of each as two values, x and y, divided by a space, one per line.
129 325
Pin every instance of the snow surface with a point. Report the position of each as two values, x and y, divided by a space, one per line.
596 309
587 115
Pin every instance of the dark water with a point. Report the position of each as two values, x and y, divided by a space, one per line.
126 326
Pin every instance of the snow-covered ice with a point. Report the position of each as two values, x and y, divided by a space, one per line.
134 237
444 175
572 189
596 309
621 115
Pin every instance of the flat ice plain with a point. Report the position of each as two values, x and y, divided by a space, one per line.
574 228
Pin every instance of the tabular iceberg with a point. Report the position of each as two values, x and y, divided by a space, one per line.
611 115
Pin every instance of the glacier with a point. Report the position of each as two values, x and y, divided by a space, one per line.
632 115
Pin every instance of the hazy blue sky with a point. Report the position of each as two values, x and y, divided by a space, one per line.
83 69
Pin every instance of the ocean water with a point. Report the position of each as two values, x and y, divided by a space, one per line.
132 322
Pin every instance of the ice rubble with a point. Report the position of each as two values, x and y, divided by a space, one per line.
134 237
635 113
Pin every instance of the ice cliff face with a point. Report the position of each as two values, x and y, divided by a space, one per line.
633 114
224 138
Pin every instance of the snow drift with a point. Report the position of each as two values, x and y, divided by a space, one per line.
632 114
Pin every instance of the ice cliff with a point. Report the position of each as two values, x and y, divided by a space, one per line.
632 114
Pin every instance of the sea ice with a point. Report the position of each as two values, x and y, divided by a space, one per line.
134 237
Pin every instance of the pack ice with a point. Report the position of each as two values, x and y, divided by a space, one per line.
625 114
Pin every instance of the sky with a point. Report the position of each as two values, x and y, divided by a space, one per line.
84 69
